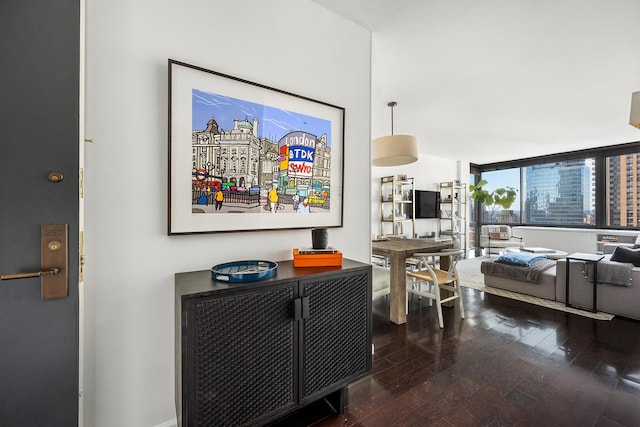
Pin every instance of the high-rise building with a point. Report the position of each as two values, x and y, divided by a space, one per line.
622 186
556 192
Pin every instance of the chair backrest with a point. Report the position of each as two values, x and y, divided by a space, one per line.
453 254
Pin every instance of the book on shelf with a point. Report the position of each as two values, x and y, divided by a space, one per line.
309 257
310 251
537 250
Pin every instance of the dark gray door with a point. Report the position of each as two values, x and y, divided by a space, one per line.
39 125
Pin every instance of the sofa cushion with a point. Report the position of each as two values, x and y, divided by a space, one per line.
545 288
624 254
520 273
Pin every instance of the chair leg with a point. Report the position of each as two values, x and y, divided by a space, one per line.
459 292
436 292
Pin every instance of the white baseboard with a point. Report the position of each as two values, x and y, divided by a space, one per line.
170 423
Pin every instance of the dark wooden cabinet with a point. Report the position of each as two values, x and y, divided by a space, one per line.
250 353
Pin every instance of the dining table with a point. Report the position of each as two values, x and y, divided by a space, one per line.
397 250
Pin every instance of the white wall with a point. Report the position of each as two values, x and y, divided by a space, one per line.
292 45
430 169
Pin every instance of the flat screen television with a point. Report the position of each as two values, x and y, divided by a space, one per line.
427 204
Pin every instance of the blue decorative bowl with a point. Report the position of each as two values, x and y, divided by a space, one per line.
244 271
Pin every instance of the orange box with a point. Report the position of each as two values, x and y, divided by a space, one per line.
317 260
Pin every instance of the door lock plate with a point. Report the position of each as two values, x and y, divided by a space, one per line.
54 255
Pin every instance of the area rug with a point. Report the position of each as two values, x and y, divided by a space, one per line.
471 277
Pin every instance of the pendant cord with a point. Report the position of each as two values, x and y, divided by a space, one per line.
391 120
392 104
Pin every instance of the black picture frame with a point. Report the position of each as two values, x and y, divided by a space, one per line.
237 140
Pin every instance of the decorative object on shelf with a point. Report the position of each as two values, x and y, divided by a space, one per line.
500 197
397 206
244 271
327 250
634 117
319 258
394 150
453 213
241 172
319 238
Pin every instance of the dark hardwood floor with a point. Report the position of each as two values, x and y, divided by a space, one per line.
508 363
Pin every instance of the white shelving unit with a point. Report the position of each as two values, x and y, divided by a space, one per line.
453 213
397 214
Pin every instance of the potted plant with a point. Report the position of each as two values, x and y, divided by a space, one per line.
498 198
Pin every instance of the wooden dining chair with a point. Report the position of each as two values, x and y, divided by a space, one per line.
429 280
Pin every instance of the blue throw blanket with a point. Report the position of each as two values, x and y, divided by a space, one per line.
520 259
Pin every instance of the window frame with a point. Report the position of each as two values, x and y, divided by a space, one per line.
599 154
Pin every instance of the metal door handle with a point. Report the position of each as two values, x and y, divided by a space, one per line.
54 262
50 272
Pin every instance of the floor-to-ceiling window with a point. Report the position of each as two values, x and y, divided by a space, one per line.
502 178
590 188
559 193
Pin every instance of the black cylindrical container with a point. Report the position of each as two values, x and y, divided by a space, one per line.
319 238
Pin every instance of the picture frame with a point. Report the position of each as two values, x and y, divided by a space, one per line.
244 156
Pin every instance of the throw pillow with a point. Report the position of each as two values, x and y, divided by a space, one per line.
498 232
624 254
504 232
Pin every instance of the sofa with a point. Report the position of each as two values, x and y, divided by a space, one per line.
615 299
609 248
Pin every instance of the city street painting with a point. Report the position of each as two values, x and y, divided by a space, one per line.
244 156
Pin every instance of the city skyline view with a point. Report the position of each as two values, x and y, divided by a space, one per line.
564 193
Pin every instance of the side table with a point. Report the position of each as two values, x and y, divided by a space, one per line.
586 258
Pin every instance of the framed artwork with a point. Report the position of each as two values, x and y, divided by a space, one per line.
244 156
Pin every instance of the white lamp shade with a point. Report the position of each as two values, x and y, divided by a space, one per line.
634 118
394 150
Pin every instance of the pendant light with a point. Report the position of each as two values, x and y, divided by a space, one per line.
634 117
394 150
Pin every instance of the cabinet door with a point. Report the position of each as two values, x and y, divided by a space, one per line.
240 364
336 335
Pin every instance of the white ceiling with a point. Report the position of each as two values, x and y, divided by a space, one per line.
502 79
